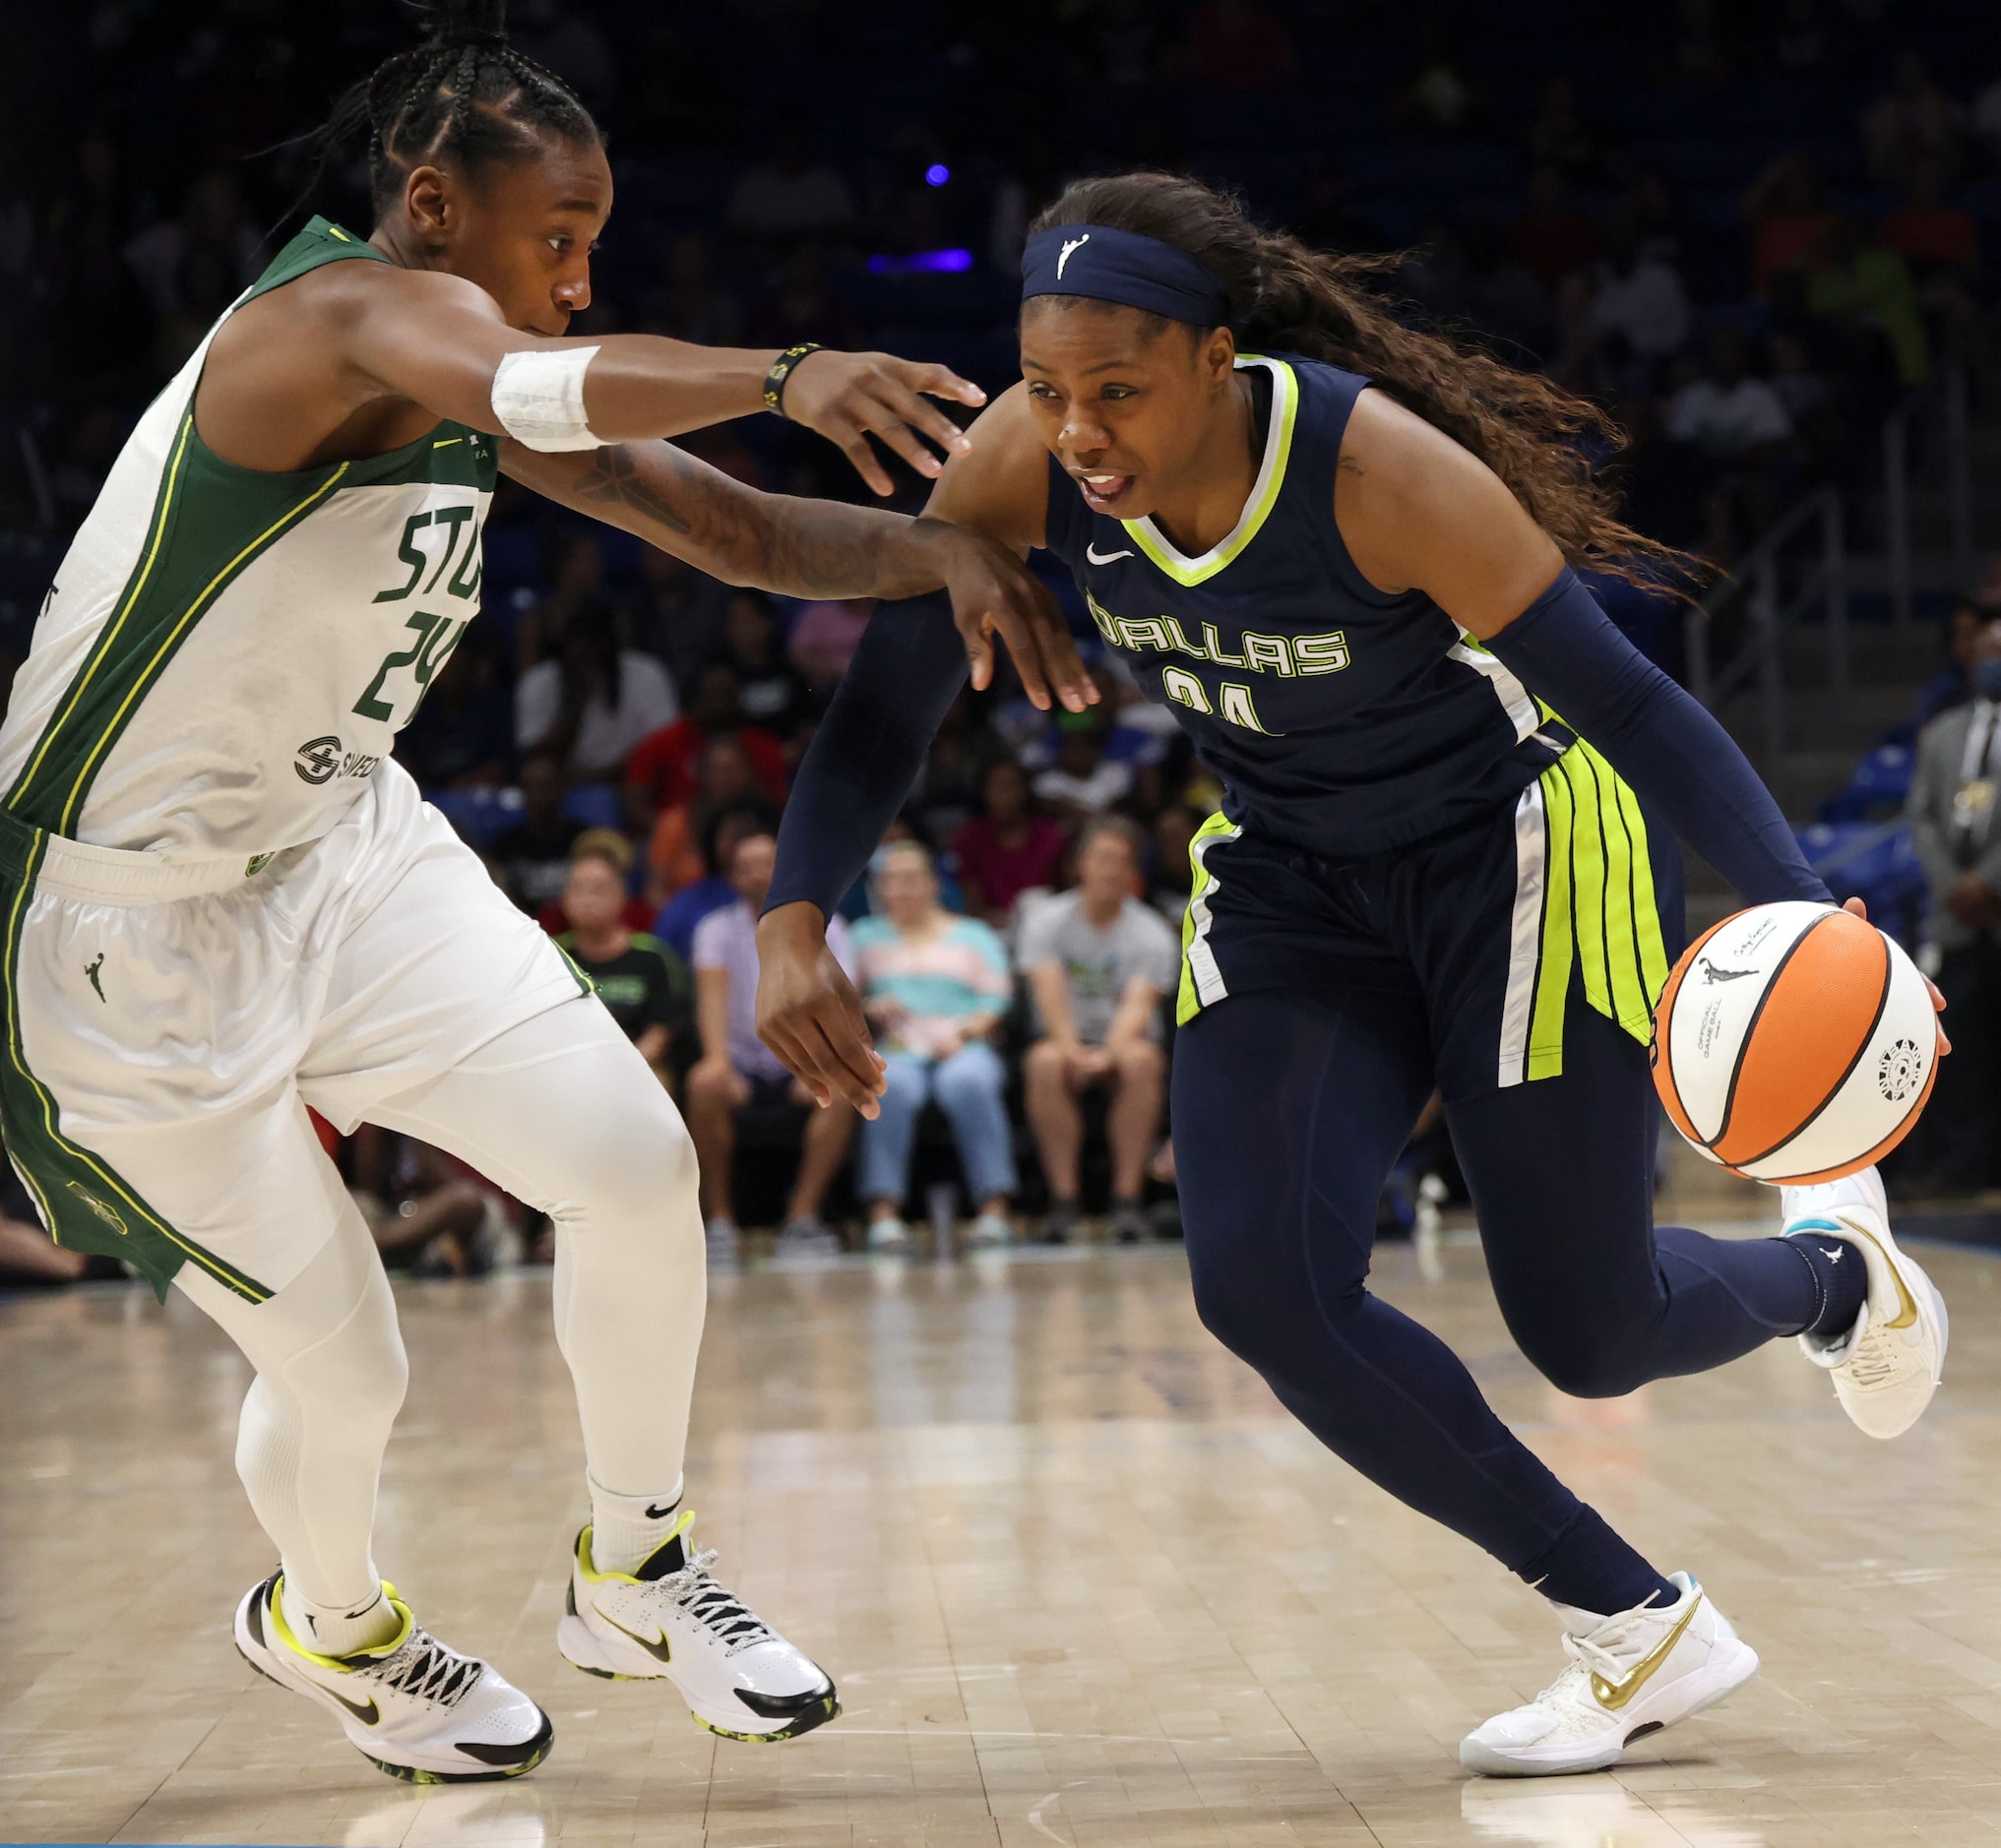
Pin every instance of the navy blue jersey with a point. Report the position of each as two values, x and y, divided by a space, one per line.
1343 720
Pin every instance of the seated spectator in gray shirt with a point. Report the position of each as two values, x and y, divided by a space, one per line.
1098 961
737 1072
1955 1147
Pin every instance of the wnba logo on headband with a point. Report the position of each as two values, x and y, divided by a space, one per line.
1137 271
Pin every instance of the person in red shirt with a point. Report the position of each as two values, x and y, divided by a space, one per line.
1553 236
1007 847
1928 232
660 772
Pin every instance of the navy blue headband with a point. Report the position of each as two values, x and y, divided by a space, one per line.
1105 265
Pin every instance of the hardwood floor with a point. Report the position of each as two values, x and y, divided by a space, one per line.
1080 1579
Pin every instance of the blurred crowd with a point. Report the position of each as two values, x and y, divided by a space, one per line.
1749 230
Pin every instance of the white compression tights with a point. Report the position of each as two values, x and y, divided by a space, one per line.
564 1114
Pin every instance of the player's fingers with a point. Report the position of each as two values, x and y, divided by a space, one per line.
1857 907
942 382
843 1080
846 1027
978 654
902 403
854 446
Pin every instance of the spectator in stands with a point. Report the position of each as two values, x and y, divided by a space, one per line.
638 977
1555 235
692 305
804 308
212 223
1636 297
428 1212
771 695
1241 47
1098 961
1953 685
1864 292
533 855
825 636
737 1072
1007 848
660 772
1787 217
934 986
616 851
1740 423
1912 122
1928 232
1083 780
462 734
1172 875
790 195
595 701
724 778
674 924
1559 137
680 614
1951 810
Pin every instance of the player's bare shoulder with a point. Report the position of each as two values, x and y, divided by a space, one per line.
285 387
1001 485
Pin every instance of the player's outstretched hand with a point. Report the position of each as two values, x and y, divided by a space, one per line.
993 592
847 396
809 1015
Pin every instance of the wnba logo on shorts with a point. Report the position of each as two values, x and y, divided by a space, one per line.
104 1210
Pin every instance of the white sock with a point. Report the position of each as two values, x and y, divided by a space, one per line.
627 1530
339 1629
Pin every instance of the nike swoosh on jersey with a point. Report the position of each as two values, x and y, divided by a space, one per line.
1104 558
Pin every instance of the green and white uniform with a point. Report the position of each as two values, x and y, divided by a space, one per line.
222 897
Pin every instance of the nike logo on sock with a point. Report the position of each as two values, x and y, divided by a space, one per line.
660 1513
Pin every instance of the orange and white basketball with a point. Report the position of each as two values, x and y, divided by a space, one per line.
1794 1043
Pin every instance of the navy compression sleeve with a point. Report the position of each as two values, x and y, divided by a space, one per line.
1677 759
866 755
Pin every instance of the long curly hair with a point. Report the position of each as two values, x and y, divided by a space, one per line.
1549 445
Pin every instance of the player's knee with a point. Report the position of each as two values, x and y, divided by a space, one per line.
1583 1364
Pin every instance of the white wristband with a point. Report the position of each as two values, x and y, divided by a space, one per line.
539 397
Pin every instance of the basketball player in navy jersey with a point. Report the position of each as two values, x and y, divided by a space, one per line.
1343 560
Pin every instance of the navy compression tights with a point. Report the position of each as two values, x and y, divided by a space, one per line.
1288 1112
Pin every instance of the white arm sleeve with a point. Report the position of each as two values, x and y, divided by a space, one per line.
539 397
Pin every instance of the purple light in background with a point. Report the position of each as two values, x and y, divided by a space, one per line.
937 173
923 262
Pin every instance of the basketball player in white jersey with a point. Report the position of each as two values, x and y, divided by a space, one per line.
223 902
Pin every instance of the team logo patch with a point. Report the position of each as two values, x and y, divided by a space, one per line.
317 759
102 1208
1898 1070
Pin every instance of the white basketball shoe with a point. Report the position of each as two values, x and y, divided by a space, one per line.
738 1675
1888 1364
1630 1674
412 1707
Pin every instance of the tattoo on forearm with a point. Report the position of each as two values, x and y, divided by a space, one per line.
614 476
798 548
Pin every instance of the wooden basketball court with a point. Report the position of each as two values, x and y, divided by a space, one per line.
1081 1581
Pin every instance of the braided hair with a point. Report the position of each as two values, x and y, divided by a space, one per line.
463 96
1550 447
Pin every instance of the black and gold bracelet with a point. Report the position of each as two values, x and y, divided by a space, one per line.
782 370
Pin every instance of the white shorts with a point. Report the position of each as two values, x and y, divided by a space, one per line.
168 1023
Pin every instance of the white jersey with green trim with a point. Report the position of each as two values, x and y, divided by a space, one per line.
226 655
